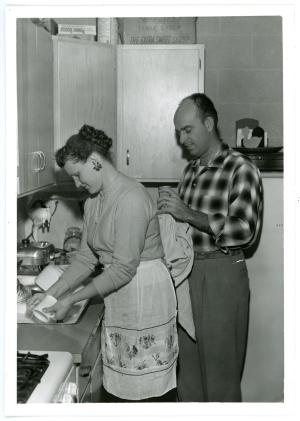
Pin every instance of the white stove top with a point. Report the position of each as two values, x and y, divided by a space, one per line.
61 364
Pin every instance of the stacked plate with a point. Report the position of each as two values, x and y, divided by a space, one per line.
271 149
23 293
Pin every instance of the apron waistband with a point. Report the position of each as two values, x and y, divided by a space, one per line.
143 263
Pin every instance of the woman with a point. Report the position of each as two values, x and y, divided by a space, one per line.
121 230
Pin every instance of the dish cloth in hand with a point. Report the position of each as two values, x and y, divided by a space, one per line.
179 255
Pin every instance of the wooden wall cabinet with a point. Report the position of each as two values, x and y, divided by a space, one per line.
129 91
35 107
84 89
151 81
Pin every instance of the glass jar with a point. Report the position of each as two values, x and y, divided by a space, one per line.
72 239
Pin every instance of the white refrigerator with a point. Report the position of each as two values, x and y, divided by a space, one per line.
263 377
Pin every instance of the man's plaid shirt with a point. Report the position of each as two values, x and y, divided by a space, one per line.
229 191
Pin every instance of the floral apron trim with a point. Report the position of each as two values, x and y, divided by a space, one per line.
139 352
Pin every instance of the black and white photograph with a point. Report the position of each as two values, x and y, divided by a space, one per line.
150 213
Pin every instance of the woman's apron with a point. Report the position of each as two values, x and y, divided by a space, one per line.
139 337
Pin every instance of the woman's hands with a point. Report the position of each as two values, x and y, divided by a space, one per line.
36 299
60 308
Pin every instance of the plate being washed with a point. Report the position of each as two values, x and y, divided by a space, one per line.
271 149
25 316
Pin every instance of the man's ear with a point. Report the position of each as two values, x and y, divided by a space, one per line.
209 124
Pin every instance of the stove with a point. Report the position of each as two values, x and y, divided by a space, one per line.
30 370
45 377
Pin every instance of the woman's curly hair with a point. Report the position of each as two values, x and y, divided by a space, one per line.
80 146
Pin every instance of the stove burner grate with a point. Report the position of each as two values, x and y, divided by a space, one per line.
30 370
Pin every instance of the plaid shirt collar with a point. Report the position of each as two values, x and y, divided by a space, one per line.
216 162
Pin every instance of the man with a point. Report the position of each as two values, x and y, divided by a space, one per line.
220 196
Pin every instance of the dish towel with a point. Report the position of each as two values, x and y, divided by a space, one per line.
179 255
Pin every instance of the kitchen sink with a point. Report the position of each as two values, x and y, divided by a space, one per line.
24 315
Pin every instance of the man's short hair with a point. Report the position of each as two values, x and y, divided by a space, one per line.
205 106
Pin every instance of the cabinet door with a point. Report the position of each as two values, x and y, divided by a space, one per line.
90 356
86 396
96 380
35 106
85 89
27 134
44 112
152 80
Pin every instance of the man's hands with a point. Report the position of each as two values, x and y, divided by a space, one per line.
170 202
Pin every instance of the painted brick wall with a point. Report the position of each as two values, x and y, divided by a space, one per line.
243 71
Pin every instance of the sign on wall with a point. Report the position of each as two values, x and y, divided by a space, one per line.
164 30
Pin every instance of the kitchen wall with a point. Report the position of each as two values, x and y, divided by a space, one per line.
67 212
243 71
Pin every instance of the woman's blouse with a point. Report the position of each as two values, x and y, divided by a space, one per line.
120 229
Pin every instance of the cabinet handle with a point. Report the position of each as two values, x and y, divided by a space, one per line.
35 166
40 165
85 370
43 161
127 157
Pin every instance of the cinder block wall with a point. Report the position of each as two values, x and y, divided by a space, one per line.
243 71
